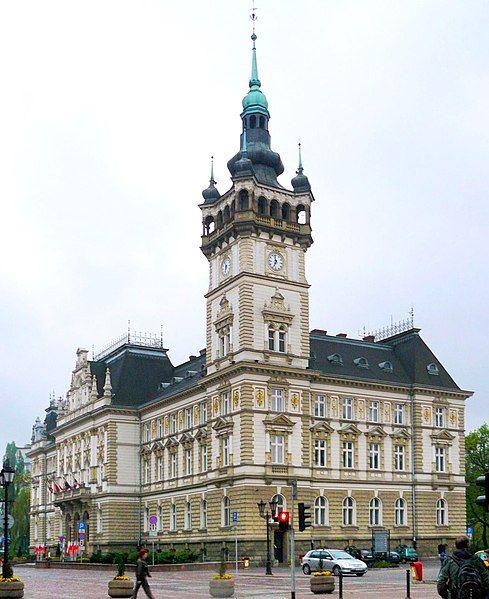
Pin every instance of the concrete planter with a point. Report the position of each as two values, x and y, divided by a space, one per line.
322 585
221 587
13 590
121 588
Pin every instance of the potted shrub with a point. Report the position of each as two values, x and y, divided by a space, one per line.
11 586
121 585
322 581
222 584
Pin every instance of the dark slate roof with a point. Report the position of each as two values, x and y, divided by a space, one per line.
407 352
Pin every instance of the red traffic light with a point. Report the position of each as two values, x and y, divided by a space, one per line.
283 521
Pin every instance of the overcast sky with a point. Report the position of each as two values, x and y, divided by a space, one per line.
110 110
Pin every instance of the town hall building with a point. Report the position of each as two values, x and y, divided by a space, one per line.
142 450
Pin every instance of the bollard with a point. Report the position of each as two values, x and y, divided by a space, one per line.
340 580
408 584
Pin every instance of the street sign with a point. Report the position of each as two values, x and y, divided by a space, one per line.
81 536
11 522
381 541
470 532
235 517
82 527
153 520
62 539
153 532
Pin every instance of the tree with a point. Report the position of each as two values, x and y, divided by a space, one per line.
477 464
19 495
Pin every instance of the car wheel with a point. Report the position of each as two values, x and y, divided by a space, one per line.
360 573
336 571
306 569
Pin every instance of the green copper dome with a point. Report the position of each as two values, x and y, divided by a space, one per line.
255 98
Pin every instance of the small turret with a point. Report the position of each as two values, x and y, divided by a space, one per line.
211 194
300 182
243 167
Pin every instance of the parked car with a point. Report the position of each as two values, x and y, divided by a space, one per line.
353 551
484 556
394 557
333 559
407 554
367 556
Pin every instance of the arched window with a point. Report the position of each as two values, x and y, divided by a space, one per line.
227 214
275 211
209 225
203 514
99 520
173 516
321 511
348 511
280 501
375 512
285 212
188 515
219 219
301 215
271 337
262 206
441 512
252 121
226 511
400 512
243 200
262 122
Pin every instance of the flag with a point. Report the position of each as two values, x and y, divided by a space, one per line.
50 486
57 488
67 485
76 484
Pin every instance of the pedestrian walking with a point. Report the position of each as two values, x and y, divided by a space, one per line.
463 575
142 573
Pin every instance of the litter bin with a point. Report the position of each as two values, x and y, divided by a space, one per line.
417 571
246 562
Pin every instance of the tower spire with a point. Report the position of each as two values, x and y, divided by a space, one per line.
210 194
300 182
300 168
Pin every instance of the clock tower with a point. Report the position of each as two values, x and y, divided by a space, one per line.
255 237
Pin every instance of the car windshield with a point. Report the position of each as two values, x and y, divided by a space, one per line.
410 552
341 555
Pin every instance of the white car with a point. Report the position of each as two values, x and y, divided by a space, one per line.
334 560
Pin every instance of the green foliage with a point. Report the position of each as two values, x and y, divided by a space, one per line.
384 564
222 565
169 556
121 567
477 464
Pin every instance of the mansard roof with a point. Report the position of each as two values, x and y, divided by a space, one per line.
406 352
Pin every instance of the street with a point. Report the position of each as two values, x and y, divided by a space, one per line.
77 584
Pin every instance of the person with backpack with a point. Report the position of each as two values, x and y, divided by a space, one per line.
463 575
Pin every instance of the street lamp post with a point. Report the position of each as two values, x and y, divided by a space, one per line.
267 515
6 478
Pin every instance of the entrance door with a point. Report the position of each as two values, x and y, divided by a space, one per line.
278 544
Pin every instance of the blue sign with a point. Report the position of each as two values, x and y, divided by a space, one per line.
470 531
235 517
82 527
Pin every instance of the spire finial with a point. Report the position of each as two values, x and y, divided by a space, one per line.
108 384
211 181
300 168
254 81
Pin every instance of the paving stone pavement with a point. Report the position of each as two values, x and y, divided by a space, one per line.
85 584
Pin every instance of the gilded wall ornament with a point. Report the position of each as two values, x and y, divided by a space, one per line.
235 398
215 405
295 401
166 425
426 415
260 397
153 428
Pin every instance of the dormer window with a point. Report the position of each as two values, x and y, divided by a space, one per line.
433 369
361 362
336 359
387 366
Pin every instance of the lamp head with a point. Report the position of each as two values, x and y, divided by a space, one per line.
261 507
7 473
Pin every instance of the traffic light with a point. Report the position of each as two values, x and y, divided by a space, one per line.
304 516
483 500
283 521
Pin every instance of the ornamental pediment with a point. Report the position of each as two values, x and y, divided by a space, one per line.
201 434
276 310
224 314
186 439
442 435
400 433
157 446
223 425
145 449
376 431
280 423
321 427
350 430
171 442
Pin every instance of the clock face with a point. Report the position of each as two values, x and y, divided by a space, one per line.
275 261
226 266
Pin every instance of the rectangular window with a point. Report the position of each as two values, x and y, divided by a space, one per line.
399 413
347 408
159 467
203 458
173 423
281 340
147 470
439 417
173 465
225 403
173 517
440 459
277 400
320 406
226 451
203 514
271 338
160 427
399 457
188 462
320 453
188 417
203 412
188 515
373 411
146 432
277 449
374 456
347 454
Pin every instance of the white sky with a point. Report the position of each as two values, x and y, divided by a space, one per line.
110 110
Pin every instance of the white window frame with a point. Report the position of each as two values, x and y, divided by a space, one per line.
320 453
348 512
373 411
277 449
188 462
277 399
375 512
173 464
226 511
399 414
203 412
188 515
400 512
440 459
399 458
188 418
321 516
173 423
159 467
225 403
226 451
374 456
347 408
204 458
203 514
439 417
442 512
320 406
348 454
173 516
